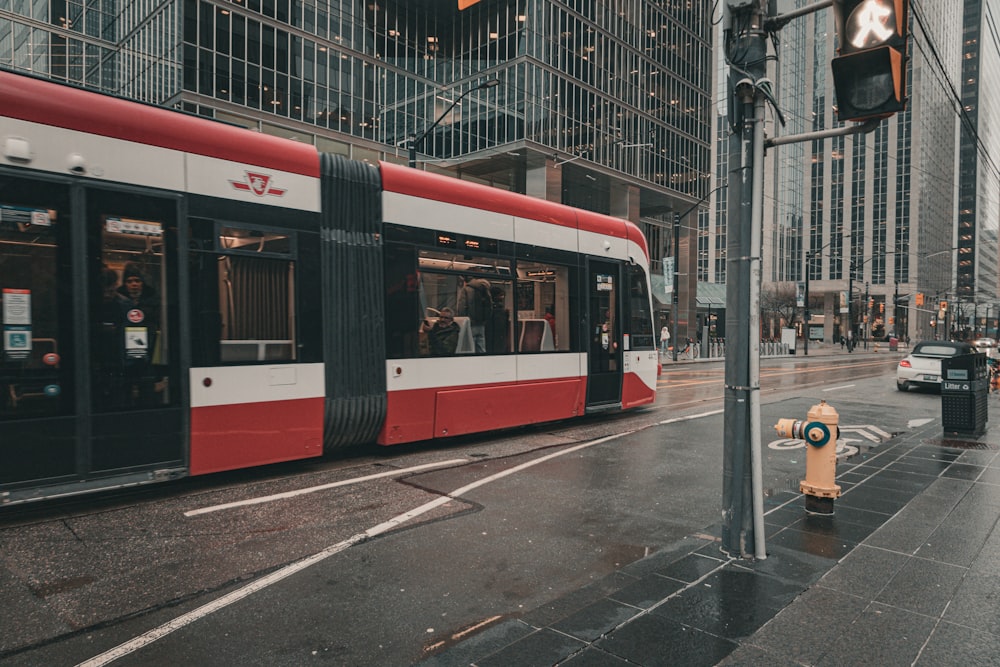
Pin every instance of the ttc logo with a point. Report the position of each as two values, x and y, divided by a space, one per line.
259 184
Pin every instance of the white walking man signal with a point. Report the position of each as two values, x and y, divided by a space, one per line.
870 21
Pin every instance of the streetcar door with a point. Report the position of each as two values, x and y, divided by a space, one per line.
604 377
37 397
88 371
134 394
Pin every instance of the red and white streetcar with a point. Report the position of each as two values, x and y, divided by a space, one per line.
181 296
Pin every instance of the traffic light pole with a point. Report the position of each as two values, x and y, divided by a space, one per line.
742 489
747 26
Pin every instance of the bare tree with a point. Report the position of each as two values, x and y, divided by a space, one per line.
777 306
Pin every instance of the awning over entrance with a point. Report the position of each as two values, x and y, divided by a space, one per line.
711 295
659 290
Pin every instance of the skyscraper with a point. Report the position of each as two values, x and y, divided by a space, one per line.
979 165
875 212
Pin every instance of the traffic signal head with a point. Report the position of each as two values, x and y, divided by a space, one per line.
869 76
881 308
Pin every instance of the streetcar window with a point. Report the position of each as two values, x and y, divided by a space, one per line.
517 300
543 296
243 293
255 241
256 308
33 284
477 290
640 319
130 338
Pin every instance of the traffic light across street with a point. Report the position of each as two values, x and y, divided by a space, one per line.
869 75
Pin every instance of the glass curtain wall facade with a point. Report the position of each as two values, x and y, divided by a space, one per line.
602 104
624 85
874 210
979 173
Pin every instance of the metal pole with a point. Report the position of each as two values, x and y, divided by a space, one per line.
677 268
742 498
867 326
756 222
737 539
677 257
895 311
850 306
805 343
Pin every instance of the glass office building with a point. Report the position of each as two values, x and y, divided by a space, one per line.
870 216
979 175
603 104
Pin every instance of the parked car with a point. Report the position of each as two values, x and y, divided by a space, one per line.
922 366
986 345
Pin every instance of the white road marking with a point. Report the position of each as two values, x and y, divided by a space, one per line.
321 487
862 429
916 423
690 417
183 620
843 386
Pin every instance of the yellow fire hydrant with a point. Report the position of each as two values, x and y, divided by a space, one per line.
820 431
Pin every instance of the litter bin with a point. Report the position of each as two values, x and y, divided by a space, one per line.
964 388
893 344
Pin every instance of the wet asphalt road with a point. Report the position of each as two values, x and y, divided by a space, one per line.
513 523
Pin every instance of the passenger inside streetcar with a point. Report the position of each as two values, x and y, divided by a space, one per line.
442 333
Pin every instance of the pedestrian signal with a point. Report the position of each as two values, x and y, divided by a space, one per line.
869 75
944 306
919 299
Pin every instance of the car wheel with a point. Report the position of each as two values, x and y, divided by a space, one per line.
902 386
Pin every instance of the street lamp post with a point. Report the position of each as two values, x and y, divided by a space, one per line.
805 343
418 140
867 326
895 309
677 259
850 307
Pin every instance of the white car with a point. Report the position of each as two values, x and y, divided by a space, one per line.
922 367
986 345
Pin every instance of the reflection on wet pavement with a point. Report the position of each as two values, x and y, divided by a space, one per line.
690 604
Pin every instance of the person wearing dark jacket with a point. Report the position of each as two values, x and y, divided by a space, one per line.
141 296
442 336
475 302
141 321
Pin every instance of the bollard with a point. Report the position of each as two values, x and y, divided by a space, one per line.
820 432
